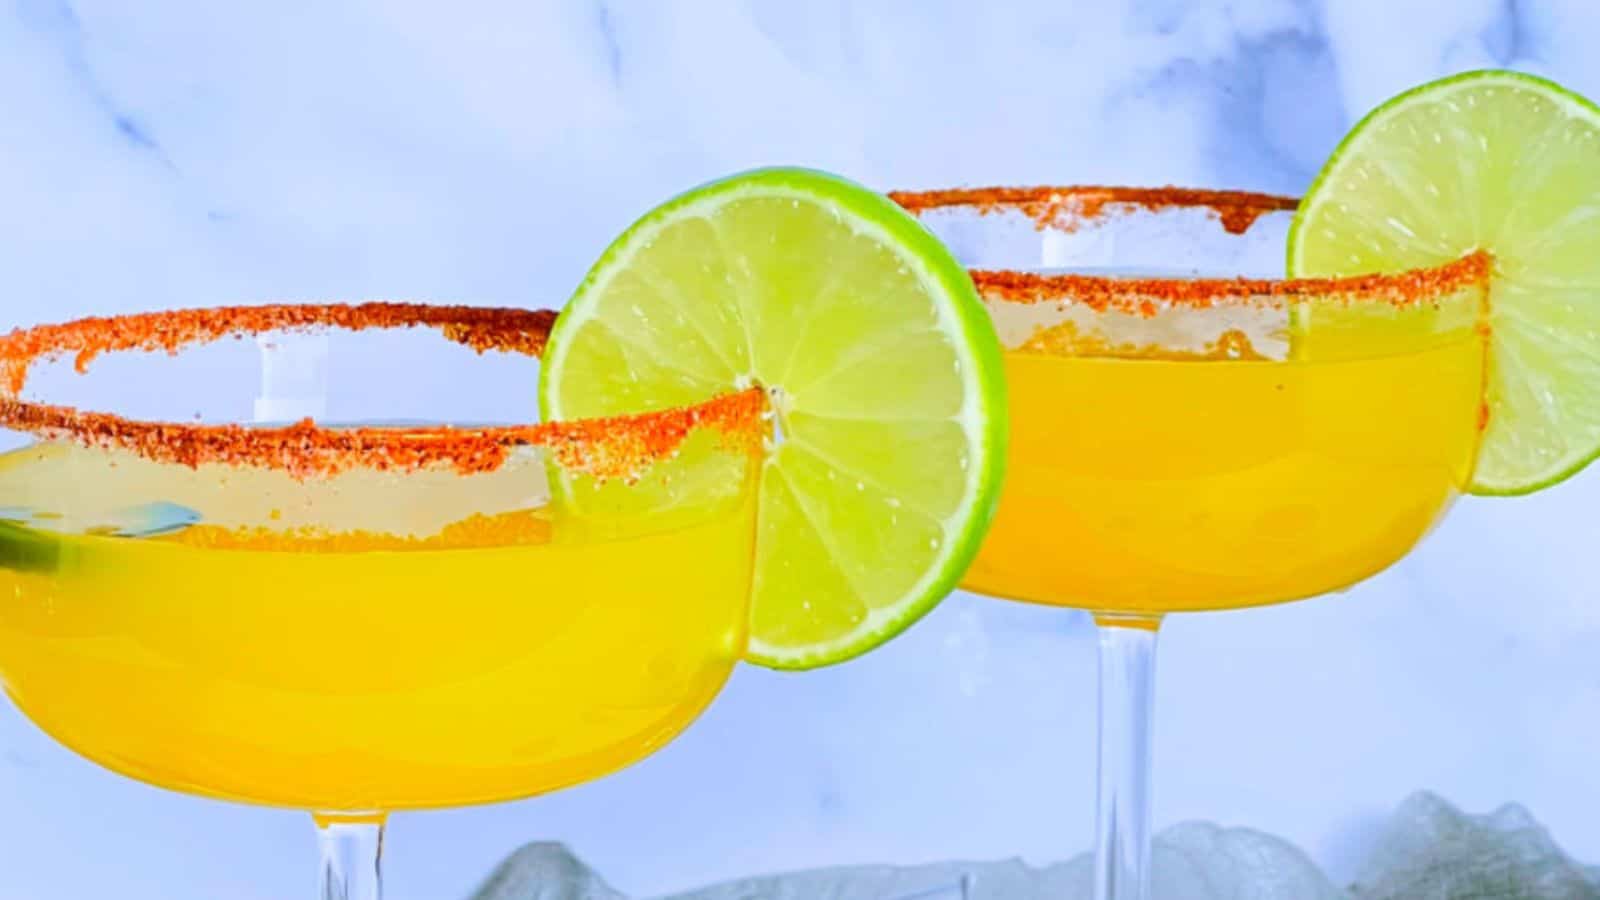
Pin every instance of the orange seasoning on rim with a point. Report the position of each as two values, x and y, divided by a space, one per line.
612 447
1067 207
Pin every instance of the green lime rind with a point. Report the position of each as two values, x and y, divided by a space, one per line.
1493 160
886 375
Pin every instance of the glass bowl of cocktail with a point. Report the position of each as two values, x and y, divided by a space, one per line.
1175 447
274 555
1192 431
362 619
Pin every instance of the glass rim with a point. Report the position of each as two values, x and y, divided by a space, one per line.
1070 207
1139 295
1066 207
623 446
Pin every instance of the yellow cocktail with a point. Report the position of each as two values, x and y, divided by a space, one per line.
1151 486
358 620
1182 443
486 654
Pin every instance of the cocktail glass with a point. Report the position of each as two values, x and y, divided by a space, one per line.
1186 439
413 610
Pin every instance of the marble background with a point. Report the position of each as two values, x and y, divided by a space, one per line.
189 152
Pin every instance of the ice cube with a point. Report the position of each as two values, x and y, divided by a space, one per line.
545 871
139 520
1430 850
1202 861
149 520
937 881
1193 861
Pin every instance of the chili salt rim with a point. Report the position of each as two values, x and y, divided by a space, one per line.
609 447
1068 207
1148 296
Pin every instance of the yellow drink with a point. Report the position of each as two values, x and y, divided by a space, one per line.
367 642
1149 486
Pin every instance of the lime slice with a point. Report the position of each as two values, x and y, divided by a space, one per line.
1506 163
882 368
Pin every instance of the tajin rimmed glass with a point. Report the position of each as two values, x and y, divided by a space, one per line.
1190 433
206 590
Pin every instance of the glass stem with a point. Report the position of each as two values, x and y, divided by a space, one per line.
1127 689
352 856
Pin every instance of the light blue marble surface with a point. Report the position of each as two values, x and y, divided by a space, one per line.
190 152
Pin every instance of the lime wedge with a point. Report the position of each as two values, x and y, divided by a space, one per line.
884 377
1502 162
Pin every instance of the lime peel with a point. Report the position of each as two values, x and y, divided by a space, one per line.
1498 161
881 364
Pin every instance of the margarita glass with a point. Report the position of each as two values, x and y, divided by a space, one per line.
361 619
1187 439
